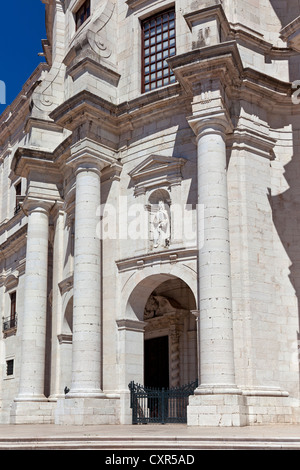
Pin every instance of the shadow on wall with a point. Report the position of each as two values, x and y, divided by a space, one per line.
286 214
286 10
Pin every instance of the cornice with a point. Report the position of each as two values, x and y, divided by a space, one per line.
136 3
267 91
9 246
256 143
41 159
291 34
20 107
118 118
208 12
26 157
87 64
223 61
131 325
207 63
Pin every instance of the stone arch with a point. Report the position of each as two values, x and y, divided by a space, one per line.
139 287
174 322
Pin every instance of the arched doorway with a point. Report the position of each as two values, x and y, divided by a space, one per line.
174 287
170 336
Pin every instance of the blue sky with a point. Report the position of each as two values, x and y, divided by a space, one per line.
22 27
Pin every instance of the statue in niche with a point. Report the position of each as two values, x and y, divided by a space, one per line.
161 226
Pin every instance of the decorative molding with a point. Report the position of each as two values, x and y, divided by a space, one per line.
11 281
158 257
157 171
123 117
89 65
158 305
291 34
135 3
15 241
66 285
112 172
131 325
64 338
217 62
207 25
254 142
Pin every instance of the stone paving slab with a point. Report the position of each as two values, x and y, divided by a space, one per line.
52 437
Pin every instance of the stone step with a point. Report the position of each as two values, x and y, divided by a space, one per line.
135 443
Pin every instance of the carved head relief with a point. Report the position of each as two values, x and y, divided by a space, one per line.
159 305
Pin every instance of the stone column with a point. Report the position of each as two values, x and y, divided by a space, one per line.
216 351
215 301
32 371
87 363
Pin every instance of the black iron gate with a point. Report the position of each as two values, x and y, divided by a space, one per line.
153 405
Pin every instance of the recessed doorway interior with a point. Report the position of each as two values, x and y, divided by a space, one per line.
156 362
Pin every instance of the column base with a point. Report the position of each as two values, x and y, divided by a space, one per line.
85 394
25 411
125 408
87 411
217 409
219 406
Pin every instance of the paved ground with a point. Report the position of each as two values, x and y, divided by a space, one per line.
147 437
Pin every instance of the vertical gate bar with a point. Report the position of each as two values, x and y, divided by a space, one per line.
163 406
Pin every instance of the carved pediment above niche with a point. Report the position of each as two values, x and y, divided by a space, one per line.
11 281
135 3
156 171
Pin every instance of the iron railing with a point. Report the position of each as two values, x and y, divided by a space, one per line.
9 323
154 405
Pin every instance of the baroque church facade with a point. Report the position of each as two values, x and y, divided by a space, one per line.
148 213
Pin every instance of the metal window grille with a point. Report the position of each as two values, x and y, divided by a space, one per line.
158 43
9 323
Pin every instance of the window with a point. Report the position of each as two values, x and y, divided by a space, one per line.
158 43
83 13
9 367
13 304
18 188
10 323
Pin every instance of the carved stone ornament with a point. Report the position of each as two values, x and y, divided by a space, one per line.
158 305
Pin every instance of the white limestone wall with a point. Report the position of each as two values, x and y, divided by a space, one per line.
284 197
10 348
264 249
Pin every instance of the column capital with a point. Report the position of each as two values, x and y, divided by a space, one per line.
31 204
217 122
88 155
